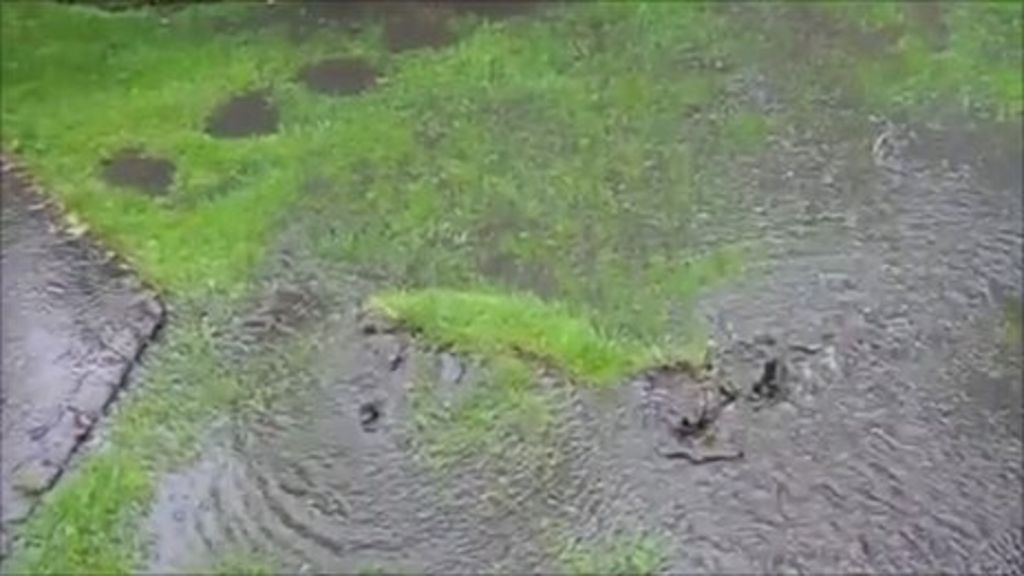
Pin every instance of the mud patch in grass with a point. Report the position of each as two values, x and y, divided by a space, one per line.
245 115
418 26
133 168
339 76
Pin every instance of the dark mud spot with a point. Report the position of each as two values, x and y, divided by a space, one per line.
419 26
132 168
339 76
249 114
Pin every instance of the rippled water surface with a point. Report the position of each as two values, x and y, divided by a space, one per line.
891 252
898 449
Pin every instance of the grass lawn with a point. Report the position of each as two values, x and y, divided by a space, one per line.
533 189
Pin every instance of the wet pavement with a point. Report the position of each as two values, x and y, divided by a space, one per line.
74 322
885 273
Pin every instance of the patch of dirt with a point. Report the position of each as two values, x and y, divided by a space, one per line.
339 76
248 114
132 168
419 26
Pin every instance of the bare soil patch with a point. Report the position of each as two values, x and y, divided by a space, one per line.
245 115
132 168
339 76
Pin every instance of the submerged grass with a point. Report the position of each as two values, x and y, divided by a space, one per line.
502 411
623 555
86 524
89 522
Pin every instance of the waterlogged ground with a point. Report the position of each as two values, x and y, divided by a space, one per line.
596 189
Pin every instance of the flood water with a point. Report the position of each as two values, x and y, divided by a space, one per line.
892 251
898 449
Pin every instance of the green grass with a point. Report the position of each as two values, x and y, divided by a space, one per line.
624 555
495 324
87 523
889 58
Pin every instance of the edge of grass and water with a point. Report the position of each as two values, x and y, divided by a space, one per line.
87 524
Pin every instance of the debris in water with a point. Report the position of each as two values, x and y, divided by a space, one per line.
395 360
369 415
695 458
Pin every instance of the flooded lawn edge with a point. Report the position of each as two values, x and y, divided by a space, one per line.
88 523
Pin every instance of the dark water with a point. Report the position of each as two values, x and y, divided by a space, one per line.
898 449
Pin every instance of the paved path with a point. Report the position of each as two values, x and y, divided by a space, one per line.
73 323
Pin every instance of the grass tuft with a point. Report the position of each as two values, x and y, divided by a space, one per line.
86 524
494 324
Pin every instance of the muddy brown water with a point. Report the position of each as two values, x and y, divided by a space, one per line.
897 450
74 322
